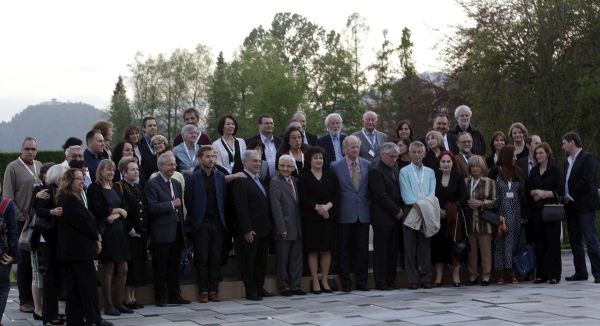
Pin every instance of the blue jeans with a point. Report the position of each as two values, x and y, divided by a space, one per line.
583 224
4 286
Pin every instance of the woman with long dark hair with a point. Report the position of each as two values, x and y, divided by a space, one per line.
293 144
510 191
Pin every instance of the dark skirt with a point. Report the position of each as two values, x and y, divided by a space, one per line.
115 246
318 235
136 273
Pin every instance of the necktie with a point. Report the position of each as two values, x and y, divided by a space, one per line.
355 176
336 148
170 187
292 190
259 184
372 140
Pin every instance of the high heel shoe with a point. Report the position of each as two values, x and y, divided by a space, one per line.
36 316
313 291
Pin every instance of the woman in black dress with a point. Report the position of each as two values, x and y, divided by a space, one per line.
545 185
134 199
451 191
108 207
403 159
318 191
497 144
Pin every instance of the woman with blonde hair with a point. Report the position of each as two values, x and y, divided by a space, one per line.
435 146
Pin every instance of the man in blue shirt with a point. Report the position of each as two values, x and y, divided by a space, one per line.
416 182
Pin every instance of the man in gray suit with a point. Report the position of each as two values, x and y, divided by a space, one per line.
166 232
283 194
354 216
371 139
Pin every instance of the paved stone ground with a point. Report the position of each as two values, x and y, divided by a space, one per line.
572 303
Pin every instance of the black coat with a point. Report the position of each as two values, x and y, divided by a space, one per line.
252 208
326 143
384 190
77 232
583 186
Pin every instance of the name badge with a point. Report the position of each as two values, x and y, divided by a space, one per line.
371 153
510 194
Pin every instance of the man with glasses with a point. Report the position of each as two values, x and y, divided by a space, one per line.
464 142
20 176
266 125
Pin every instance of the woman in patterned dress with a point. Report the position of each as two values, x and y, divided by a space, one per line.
510 189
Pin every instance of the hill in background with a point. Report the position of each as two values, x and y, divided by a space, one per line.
50 123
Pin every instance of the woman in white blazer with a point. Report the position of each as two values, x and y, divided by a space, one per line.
229 148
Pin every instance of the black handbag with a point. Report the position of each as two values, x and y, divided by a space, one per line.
462 247
24 242
490 216
39 224
553 212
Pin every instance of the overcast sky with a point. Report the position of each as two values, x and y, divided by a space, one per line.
75 50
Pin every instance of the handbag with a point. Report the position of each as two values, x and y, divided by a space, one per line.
39 224
553 212
524 259
490 216
185 262
462 247
24 242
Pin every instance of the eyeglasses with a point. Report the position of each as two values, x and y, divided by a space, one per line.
32 149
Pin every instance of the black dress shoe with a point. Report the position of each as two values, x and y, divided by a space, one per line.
437 285
161 303
105 323
485 283
264 293
457 284
413 286
346 289
384 288
555 281
286 293
124 310
298 292
426 285
178 300
575 277
253 297
539 281
474 282
597 280
363 288
327 290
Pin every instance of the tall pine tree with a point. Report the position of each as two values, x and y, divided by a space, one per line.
120 113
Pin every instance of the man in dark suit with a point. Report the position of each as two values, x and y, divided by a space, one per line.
163 195
145 144
371 139
251 202
353 222
283 194
386 212
581 203
462 114
441 124
309 139
205 203
266 125
332 143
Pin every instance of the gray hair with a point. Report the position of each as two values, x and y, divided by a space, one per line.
286 157
249 154
330 116
462 108
163 157
71 149
369 112
348 139
187 129
55 173
389 147
416 143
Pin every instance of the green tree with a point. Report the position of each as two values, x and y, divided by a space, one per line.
356 31
119 112
530 61
407 65
221 94
383 69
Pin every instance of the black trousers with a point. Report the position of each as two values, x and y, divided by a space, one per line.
52 276
253 261
24 273
353 241
547 247
82 293
385 254
165 264
208 242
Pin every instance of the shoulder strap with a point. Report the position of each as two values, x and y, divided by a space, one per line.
3 205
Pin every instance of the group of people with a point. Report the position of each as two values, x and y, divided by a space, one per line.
297 195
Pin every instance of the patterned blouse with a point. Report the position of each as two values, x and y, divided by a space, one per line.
484 190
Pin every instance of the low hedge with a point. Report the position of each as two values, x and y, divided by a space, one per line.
42 156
